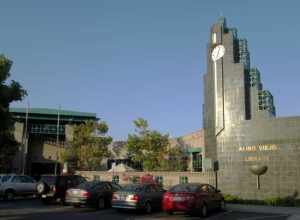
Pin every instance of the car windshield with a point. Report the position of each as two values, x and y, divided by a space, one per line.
184 188
5 178
133 188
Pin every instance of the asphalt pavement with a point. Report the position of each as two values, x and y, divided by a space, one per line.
26 209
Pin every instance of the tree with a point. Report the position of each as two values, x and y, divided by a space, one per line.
175 159
147 146
8 93
89 146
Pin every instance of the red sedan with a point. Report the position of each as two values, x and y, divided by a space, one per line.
193 198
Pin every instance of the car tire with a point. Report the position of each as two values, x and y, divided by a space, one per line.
46 201
62 201
222 205
42 188
170 212
204 211
148 208
76 205
9 195
100 203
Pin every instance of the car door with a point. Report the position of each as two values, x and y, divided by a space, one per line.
156 194
29 184
17 185
215 198
205 196
104 190
114 188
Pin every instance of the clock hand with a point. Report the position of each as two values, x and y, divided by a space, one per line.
218 52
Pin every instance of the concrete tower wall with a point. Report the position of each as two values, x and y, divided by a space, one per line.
241 129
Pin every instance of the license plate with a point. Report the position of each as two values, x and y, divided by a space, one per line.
44 196
123 197
177 199
75 192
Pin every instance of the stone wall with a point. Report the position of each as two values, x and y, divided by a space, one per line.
169 178
274 143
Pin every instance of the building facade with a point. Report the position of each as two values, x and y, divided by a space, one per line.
42 134
241 129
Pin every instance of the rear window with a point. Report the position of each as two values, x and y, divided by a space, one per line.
48 179
133 188
86 185
185 188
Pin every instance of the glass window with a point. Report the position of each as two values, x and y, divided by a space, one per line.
108 186
159 180
50 180
16 179
5 178
115 179
211 188
133 188
183 179
148 189
27 179
115 186
185 188
205 188
197 162
96 178
78 180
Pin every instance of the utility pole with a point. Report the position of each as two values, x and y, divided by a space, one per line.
25 140
57 141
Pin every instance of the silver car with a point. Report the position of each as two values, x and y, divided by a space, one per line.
12 185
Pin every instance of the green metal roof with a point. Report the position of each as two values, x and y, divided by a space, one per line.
52 112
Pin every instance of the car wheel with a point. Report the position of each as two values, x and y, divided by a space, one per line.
148 208
101 203
9 195
222 205
40 187
46 201
76 205
204 210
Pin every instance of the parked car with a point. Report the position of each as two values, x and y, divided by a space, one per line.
93 194
193 198
139 197
53 188
12 185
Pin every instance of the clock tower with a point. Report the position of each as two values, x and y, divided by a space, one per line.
228 96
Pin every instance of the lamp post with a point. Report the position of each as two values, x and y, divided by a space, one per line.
57 142
25 141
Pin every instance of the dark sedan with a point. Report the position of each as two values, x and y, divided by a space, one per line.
193 198
139 197
93 194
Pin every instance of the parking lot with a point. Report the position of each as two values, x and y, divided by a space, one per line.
34 209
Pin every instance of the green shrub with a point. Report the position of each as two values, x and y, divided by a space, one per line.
273 201
232 198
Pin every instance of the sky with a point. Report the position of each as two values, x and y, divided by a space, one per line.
142 58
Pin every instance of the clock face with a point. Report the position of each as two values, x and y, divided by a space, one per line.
218 52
